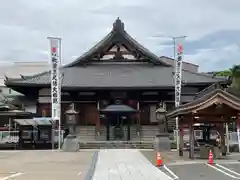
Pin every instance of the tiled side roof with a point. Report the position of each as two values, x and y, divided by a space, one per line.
201 101
185 65
19 69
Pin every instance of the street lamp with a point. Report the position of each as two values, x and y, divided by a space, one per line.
71 116
160 113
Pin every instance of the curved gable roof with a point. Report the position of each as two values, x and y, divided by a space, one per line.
216 96
120 34
106 76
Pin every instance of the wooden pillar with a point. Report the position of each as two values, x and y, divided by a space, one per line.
98 123
237 122
181 142
221 131
191 140
138 119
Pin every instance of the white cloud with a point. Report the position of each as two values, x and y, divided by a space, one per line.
24 25
216 59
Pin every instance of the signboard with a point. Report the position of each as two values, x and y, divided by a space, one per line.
55 77
178 74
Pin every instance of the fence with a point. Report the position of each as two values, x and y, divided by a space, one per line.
9 137
13 136
233 138
198 134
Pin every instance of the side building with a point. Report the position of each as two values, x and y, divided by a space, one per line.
11 100
18 70
116 71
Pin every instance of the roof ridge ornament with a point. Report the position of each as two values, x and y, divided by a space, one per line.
118 25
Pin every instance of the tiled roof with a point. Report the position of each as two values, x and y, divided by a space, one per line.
102 75
118 34
205 101
154 74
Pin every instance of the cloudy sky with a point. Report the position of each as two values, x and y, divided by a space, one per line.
212 28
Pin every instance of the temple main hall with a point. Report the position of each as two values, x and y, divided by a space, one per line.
116 88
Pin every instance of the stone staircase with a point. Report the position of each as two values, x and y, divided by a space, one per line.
111 133
101 136
86 133
116 145
134 135
148 133
88 139
125 131
171 124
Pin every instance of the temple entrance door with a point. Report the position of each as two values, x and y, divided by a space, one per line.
118 127
118 121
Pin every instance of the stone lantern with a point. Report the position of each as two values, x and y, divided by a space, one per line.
162 141
71 120
161 118
71 142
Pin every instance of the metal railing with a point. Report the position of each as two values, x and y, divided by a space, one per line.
233 137
13 136
56 136
9 137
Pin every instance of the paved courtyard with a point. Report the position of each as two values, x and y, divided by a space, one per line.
228 169
202 171
112 164
44 165
125 164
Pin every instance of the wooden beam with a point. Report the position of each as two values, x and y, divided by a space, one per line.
122 53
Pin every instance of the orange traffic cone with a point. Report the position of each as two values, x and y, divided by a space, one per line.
159 160
210 158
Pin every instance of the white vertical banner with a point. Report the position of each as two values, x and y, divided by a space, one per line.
178 80
55 77
178 73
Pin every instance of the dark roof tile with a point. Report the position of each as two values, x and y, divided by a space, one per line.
116 76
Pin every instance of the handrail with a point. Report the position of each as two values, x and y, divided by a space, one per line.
13 136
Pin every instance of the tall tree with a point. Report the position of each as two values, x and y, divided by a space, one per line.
225 73
236 76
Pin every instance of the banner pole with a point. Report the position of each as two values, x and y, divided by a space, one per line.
55 51
178 79
60 95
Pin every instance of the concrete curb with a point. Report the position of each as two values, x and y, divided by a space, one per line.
92 167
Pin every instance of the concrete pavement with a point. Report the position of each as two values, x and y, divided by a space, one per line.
44 165
198 172
125 164
112 164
